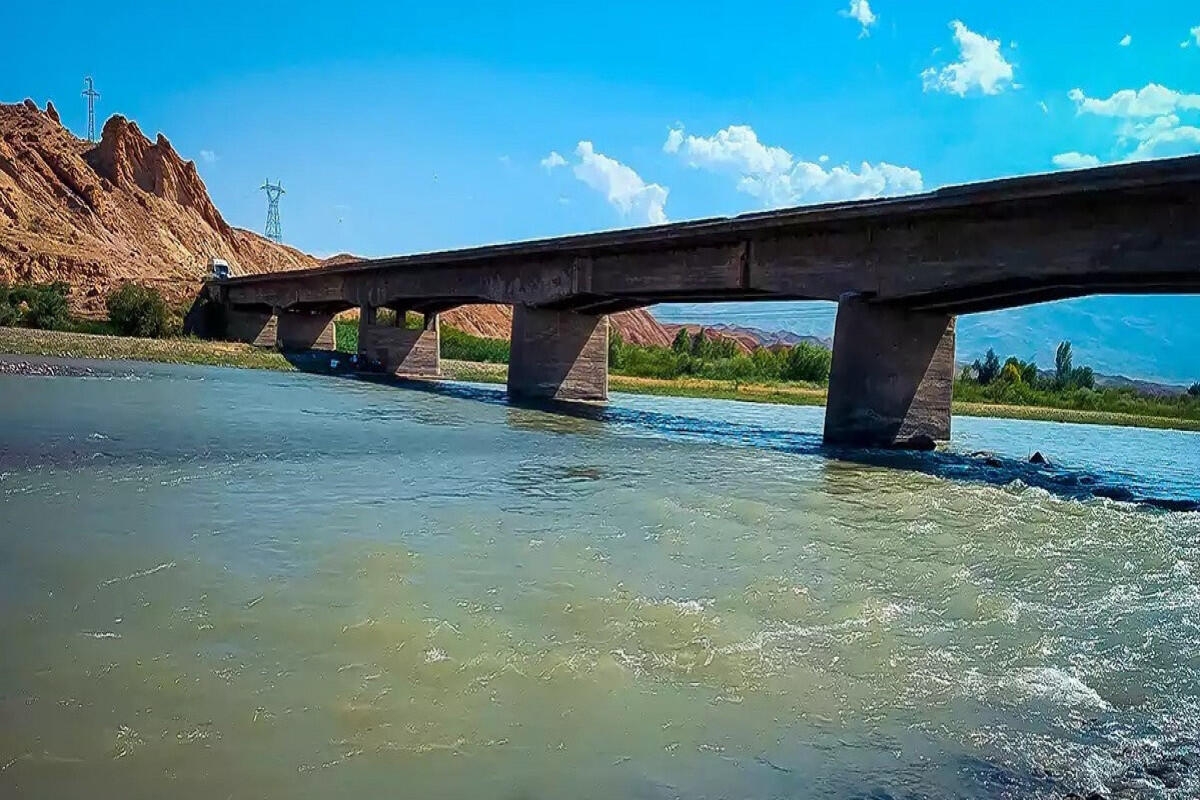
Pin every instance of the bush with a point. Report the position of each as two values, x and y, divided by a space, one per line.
808 362
35 306
137 310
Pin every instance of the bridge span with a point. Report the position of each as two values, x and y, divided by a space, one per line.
900 270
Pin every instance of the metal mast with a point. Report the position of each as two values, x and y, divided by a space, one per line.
92 96
273 231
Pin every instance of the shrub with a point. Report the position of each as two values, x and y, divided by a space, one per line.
35 306
137 310
808 362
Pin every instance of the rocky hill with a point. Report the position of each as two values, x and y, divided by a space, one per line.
126 208
95 215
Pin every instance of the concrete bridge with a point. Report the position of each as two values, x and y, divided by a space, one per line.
899 269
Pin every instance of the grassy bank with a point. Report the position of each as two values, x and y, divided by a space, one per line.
808 395
60 344
25 341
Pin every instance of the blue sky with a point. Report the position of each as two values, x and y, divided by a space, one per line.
402 127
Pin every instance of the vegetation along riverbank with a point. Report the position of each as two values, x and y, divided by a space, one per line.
693 366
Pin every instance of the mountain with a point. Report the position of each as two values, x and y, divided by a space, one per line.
122 209
1151 337
95 215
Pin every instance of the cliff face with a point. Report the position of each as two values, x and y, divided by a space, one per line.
123 209
129 209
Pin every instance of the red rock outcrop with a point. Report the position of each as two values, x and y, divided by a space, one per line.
126 208
96 215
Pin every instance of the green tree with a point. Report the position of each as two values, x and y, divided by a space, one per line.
46 306
1082 378
682 342
1029 373
1062 364
1011 372
700 345
615 346
137 310
807 362
1194 389
989 369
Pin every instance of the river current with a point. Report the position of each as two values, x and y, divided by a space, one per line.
225 583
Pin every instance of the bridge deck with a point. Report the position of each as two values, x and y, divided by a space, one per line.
1123 228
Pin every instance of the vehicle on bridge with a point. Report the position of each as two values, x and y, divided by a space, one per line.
218 269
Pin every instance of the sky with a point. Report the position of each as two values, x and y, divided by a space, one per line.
403 127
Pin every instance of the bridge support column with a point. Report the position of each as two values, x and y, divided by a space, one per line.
558 354
257 327
302 330
892 377
400 350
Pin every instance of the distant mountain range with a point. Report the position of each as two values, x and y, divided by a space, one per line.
1153 340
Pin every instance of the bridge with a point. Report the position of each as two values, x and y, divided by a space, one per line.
900 269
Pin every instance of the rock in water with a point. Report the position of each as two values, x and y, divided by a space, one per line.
1038 458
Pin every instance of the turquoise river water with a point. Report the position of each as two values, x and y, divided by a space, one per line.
223 583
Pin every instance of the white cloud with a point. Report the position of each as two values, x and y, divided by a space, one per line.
1075 160
553 160
1152 100
505 160
981 66
1195 35
1150 120
777 178
208 156
1045 108
860 11
1162 137
674 140
623 187
1126 40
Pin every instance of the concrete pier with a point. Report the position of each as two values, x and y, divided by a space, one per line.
561 355
303 330
892 377
400 350
256 327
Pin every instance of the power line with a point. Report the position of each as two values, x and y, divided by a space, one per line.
92 96
274 231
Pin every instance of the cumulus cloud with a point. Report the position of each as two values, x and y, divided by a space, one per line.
621 185
1152 122
553 160
981 66
1152 100
1126 40
1161 137
208 156
1075 160
1195 37
860 11
775 177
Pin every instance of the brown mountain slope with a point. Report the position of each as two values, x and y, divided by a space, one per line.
123 209
128 209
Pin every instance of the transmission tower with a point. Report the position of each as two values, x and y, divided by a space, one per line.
273 192
92 96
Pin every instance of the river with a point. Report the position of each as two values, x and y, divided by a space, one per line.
226 583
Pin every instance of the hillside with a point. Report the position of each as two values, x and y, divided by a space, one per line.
128 209
125 208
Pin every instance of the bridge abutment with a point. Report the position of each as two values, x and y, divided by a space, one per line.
401 350
305 330
892 377
558 355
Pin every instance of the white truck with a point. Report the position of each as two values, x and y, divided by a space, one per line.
218 269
